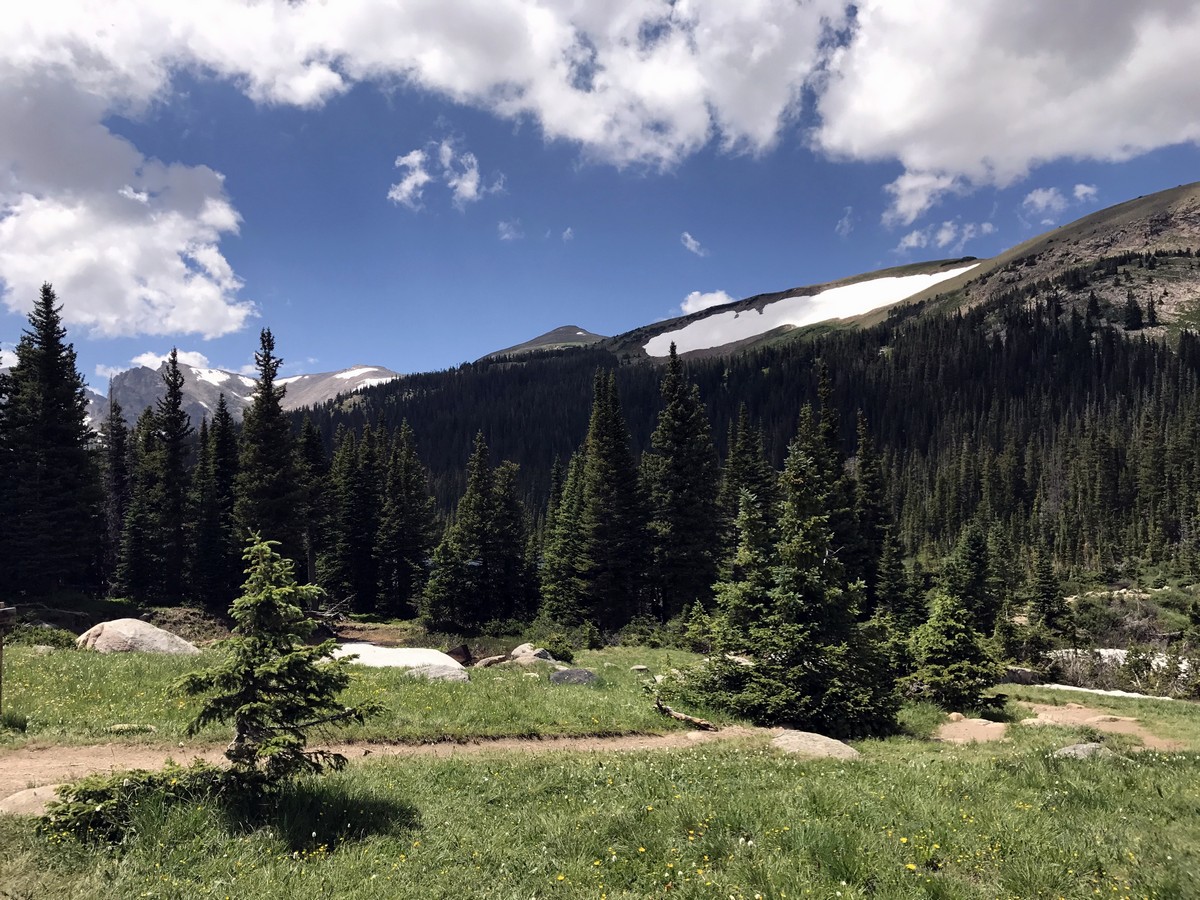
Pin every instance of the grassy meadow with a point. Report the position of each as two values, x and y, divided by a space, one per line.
913 818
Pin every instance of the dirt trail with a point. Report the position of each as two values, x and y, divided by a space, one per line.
33 766
965 731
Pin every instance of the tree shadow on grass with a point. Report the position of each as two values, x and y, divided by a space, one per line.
318 812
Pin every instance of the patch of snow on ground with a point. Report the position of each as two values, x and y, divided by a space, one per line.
355 373
835 303
247 381
212 376
581 332
395 657
369 382
1083 690
291 378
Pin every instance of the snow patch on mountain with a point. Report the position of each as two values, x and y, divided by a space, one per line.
356 373
835 303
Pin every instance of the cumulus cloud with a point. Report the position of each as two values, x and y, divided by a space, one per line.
964 95
457 170
696 301
692 245
510 230
8 359
1044 201
153 360
1085 193
568 234
951 234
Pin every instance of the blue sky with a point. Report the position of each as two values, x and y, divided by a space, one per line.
414 185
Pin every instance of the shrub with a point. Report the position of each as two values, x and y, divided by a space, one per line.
100 808
45 635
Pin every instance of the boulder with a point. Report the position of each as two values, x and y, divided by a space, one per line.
1019 675
489 661
640 669
133 636
815 746
526 650
424 662
460 654
1090 750
573 676
31 802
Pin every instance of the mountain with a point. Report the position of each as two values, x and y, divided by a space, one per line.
557 339
138 388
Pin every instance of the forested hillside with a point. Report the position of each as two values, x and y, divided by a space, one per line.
986 443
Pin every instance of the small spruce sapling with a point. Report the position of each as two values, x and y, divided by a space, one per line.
271 686
953 663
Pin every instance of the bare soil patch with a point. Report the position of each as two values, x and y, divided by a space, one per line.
965 731
33 766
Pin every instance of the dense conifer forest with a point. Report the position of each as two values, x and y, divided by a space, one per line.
960 461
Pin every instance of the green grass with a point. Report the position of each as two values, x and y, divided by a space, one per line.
75 697
1176 720
912 819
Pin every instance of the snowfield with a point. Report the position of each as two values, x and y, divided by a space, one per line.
836 303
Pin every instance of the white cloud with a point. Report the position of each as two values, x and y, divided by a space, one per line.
510 230
1085 193
408 190
845 224
458 171
1043 201
692 245
568 234
696 301
951 234
8 359
981 93
107 372
153 360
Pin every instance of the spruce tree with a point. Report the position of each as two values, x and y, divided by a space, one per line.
967 576
270 685
216 563
114 443
312 467
268 492
611 557
953 663
746 469
795 654
347 569
681 476
1047 607
139 570
174 429
406 526
50 491
562 585
508 584
871 517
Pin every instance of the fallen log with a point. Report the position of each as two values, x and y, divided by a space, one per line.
702 724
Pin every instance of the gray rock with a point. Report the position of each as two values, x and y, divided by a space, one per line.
573 676
1019 675
440 673
815 746
526 650
133 636
1091 750
489 661
639 668
31 802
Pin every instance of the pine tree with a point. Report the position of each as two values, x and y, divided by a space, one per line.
1047 607
562 586
347 569
681 474
611 558
139 570
174 432
312 467
871 517
270 685
508 583
797 655
1133 312
968 577
50 492
454 597
268 491
114 443
746 469
406 526
953 664
216 561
